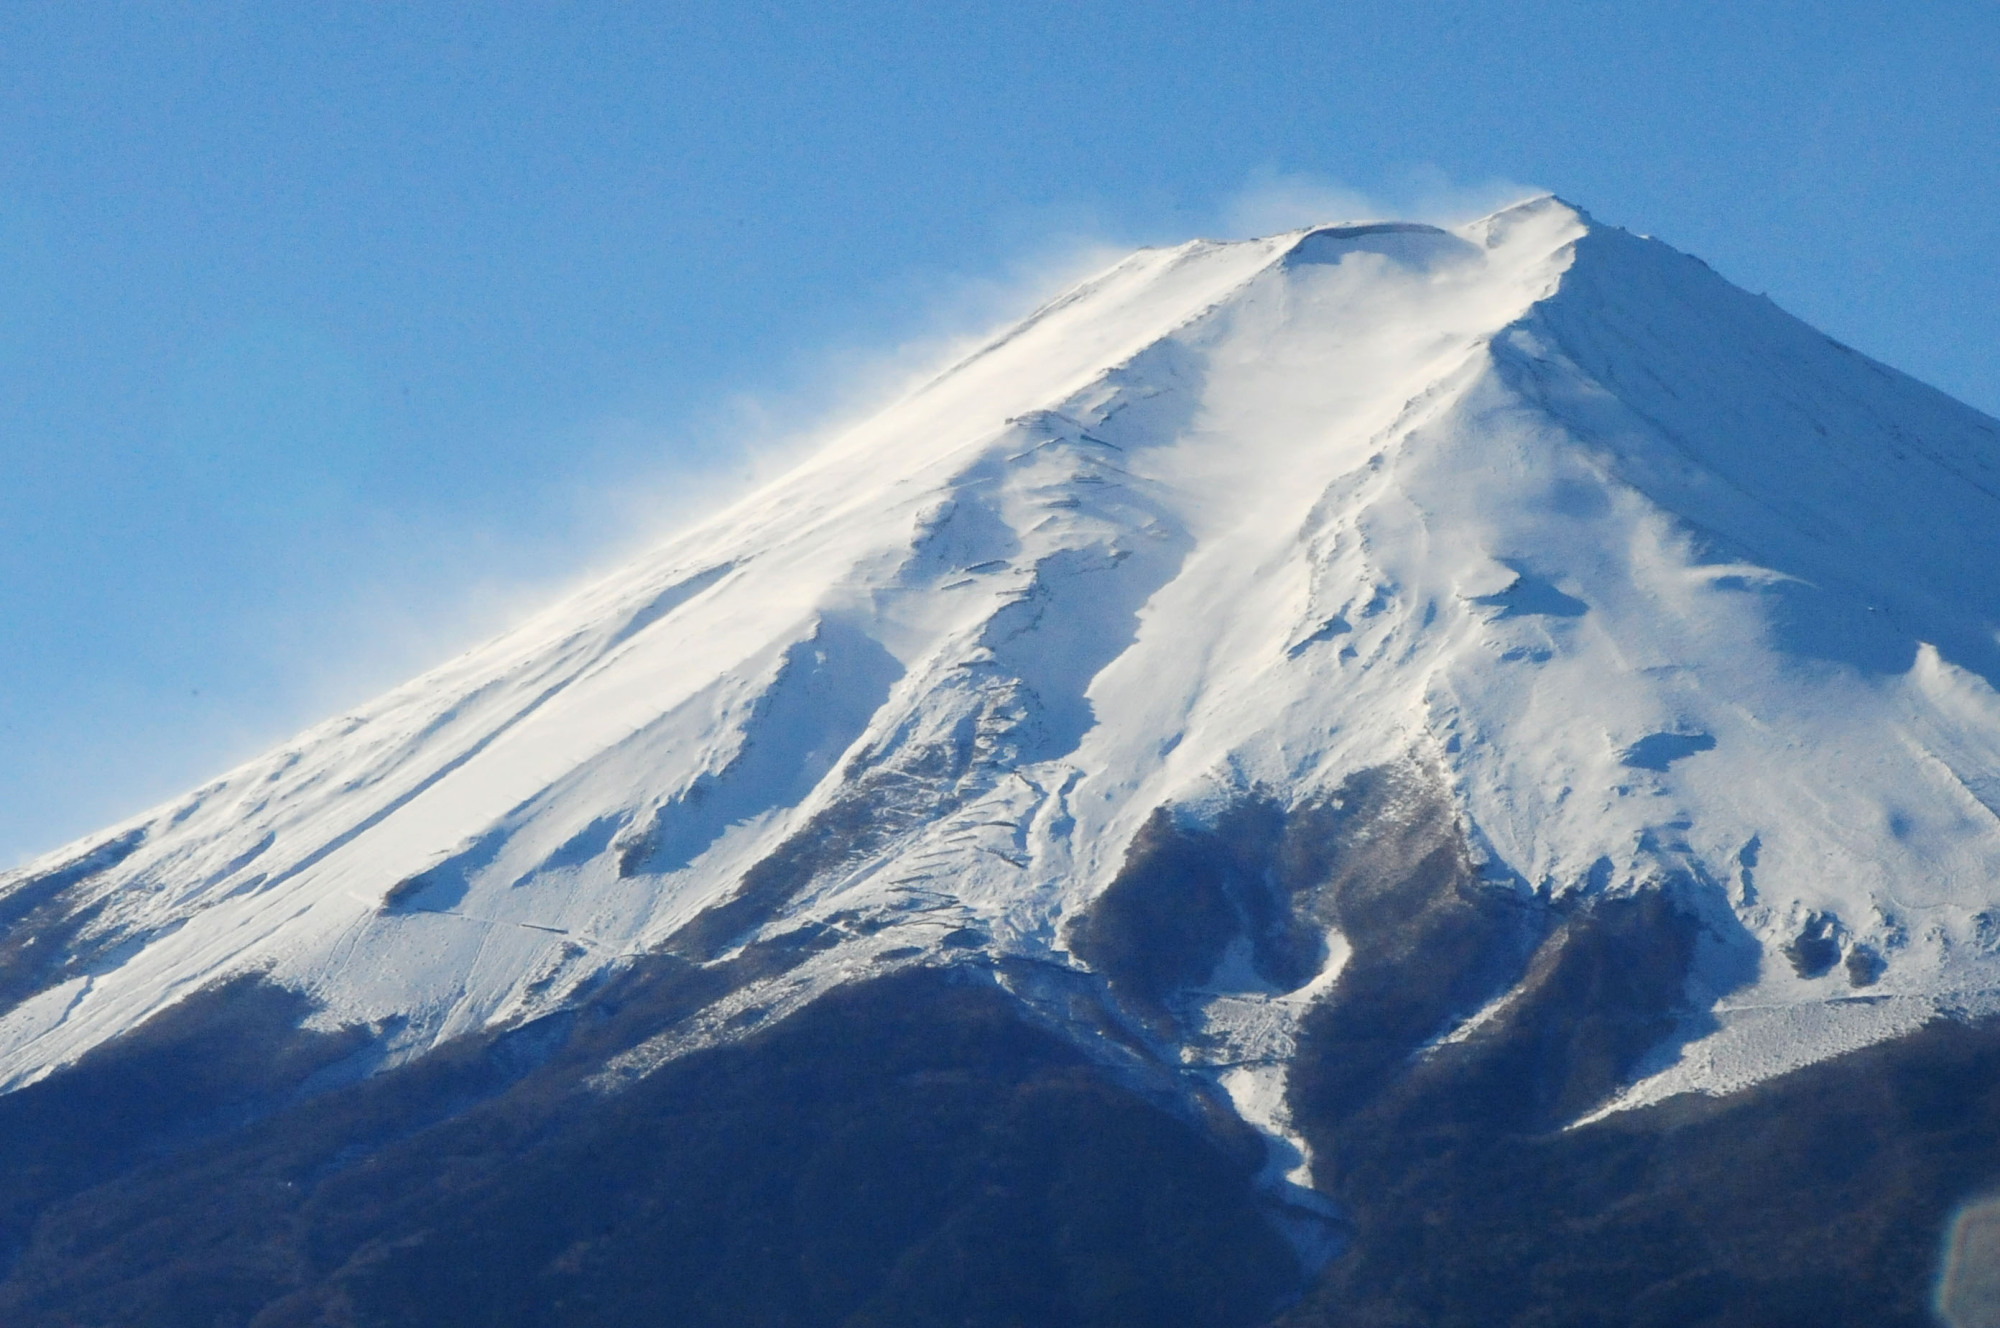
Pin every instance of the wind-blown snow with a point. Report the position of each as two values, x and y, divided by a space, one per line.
1673 590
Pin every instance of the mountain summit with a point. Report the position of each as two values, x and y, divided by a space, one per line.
1500 685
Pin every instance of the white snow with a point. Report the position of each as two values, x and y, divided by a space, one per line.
1671 588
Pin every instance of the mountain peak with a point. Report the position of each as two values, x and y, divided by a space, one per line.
1300 755
1630 584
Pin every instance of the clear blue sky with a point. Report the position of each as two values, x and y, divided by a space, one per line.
332 333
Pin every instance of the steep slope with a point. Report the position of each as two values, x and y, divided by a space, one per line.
1318 678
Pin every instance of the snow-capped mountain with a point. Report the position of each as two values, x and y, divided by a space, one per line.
1129 657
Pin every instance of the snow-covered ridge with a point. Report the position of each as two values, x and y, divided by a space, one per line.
1668 588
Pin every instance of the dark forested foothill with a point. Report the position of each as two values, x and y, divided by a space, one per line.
1821 1198
929 1148
907 1151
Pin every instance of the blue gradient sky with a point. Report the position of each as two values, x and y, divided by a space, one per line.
332 335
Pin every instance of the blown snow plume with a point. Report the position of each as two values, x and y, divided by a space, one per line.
1289 674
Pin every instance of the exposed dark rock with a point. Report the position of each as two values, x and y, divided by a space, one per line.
1816 949
1260 873
1430 941
1166 919
1864 966
831 836
880 802
41 917
29 894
